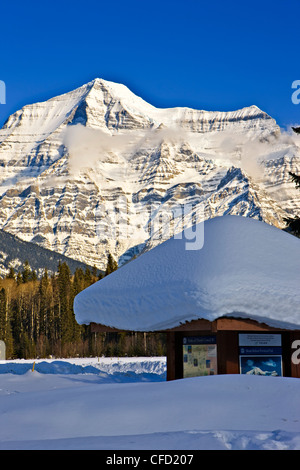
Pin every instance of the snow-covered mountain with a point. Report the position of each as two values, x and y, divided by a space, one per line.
14 253
99 170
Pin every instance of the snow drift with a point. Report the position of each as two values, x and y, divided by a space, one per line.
113 404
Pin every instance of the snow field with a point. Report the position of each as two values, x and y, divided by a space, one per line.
126 404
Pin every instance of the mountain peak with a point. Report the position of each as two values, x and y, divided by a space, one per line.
132 153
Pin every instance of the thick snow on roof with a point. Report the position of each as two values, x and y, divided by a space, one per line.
246 268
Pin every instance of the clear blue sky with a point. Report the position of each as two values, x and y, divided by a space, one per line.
214 55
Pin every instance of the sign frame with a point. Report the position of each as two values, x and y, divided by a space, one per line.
199 352
260 354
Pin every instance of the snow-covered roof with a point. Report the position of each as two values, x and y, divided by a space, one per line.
245 268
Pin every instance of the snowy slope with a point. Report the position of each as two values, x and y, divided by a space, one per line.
244 268
93 171
74 404
14 253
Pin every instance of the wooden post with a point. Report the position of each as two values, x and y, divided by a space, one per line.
228 352
171 355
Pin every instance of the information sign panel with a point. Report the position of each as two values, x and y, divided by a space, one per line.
199 356
260 354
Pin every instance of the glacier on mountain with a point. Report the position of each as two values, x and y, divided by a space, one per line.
99 170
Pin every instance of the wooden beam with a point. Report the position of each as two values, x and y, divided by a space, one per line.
194 325
221 324
242 324
97 328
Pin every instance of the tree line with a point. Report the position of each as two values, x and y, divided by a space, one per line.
37 318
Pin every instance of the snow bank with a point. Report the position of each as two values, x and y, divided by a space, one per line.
108 369
88 410
245 268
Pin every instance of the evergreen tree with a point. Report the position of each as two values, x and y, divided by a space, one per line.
293 223
87 277
296 179
3 313
64 294
9 343
19 278
16 324
45 322
33 275
11 274
94 271
26 273
111 266
296 130
70 330
78 281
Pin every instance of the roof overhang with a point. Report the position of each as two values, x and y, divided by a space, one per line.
203 325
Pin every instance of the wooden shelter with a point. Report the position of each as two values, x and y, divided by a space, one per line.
231 306
201 347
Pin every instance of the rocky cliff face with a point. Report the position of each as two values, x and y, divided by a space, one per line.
99 170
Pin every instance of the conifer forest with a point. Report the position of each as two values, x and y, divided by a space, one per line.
37 318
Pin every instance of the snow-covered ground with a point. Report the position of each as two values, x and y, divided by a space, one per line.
127 404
